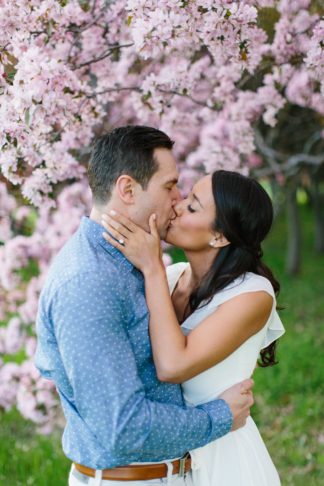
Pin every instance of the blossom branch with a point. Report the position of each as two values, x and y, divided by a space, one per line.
102 57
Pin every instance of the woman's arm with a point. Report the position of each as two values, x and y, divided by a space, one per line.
177 357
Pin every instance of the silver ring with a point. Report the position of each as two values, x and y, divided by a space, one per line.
121 241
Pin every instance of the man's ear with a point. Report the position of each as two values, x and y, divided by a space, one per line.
125 188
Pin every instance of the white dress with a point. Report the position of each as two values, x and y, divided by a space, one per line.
240 458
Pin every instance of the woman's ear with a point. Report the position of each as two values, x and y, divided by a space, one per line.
125 188
219 241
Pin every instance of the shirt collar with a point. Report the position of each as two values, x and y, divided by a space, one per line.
94 231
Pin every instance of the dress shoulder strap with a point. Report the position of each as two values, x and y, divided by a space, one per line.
249 282
174 272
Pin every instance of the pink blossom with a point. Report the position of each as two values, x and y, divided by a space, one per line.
203 71
254 160
167 260
9 382
299 89
14 336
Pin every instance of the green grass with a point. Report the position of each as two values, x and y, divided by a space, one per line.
289 397
27 458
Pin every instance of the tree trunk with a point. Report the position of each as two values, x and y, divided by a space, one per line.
293 259
319 217
278 199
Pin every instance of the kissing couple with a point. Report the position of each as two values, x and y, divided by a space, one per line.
153 365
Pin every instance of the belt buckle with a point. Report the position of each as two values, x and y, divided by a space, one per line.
182 465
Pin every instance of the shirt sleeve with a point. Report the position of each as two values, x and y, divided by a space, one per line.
90 328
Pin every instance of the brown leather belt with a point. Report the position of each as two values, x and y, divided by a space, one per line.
139 472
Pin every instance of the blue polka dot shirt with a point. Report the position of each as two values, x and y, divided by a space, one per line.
93 342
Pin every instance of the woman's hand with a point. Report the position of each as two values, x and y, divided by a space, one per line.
141 248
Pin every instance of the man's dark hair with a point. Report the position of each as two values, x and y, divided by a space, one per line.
125 150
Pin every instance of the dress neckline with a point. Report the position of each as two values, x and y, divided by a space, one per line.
175 285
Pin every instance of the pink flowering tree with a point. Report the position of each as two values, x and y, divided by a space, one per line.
225 79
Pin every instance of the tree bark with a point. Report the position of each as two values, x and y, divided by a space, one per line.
278 197
318 199
293 258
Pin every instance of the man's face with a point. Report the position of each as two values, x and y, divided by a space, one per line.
161 194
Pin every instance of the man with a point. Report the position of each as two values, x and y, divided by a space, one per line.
93 337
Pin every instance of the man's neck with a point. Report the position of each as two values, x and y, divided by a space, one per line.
96 213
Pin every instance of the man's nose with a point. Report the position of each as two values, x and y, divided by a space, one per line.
177 196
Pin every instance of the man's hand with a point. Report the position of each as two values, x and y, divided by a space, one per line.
240 399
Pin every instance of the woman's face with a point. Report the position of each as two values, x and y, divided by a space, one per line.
192 229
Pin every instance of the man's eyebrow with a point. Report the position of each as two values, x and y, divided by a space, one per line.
196 198
172 181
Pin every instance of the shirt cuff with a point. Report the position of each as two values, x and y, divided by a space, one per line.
221 417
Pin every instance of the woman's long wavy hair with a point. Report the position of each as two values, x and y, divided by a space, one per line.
244 215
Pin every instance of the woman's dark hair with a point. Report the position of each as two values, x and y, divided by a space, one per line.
125 150
244 215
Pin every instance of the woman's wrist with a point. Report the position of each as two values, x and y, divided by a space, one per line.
153 268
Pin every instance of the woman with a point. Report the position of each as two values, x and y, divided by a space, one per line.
224 299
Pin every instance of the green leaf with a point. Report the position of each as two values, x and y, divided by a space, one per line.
84 4
147 96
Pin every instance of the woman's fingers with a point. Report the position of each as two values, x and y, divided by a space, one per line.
153 226
110 225
116 234
123 220
113 242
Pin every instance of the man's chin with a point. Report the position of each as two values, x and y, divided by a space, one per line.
163 234
166 234
167 237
